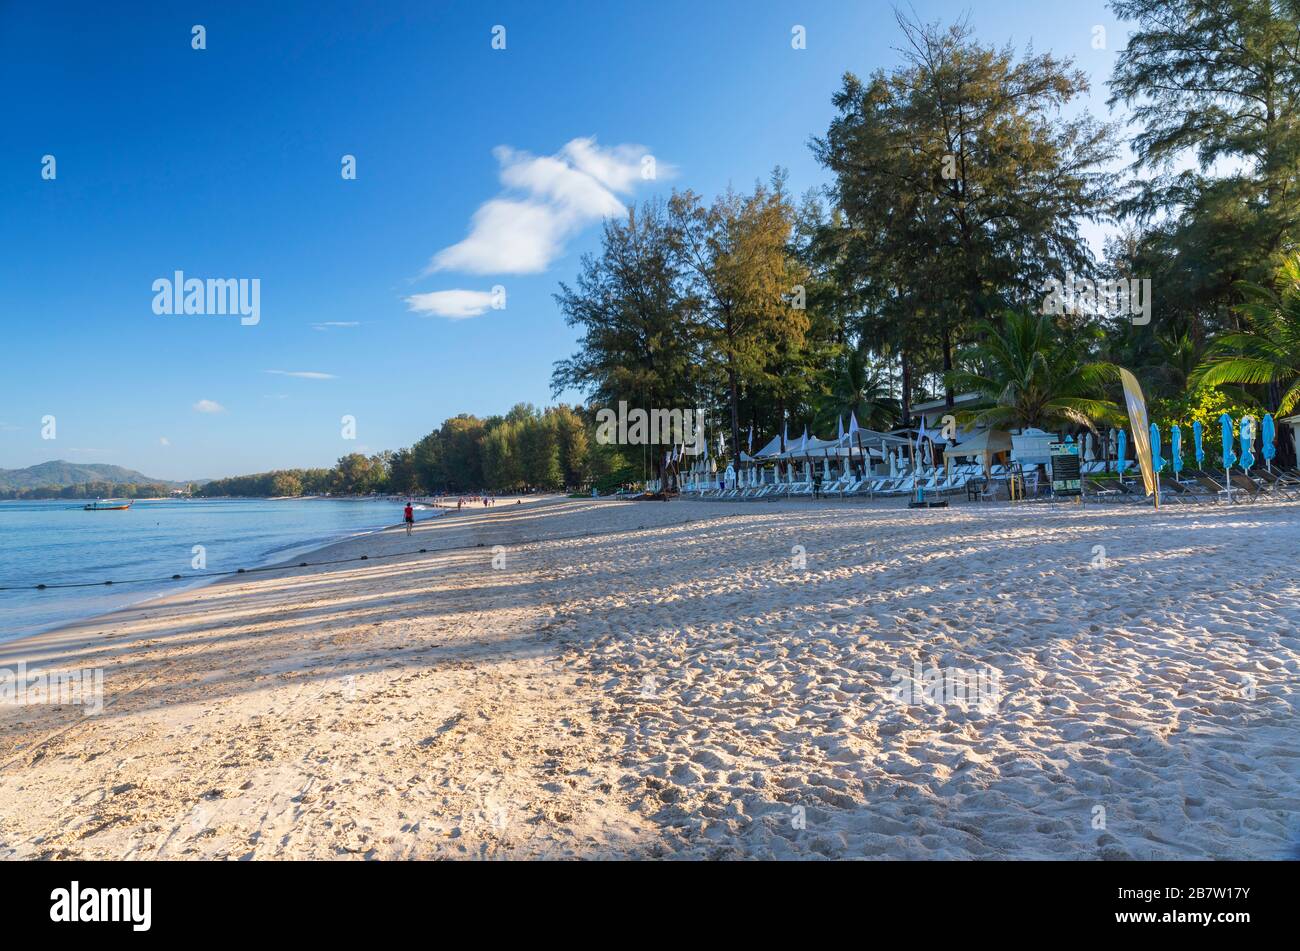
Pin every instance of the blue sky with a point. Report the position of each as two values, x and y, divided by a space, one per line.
225 163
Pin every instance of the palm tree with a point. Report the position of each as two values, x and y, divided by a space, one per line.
859 388
1266 350
1028 377
1174 363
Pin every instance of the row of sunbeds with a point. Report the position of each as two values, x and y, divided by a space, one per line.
935 483
1196 486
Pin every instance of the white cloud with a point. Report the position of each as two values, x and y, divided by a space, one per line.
454 305
329 324
208 406
562 194
164 441
304 374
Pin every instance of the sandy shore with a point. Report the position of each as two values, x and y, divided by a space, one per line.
694 680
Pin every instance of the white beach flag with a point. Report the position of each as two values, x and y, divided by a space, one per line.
701 447
853 423
751 439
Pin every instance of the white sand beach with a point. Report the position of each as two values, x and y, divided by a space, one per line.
674 683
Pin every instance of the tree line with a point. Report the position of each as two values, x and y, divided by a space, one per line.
961 178
527 449
931 266
92 490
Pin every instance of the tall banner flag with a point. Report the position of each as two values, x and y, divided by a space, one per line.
853 431
1137 417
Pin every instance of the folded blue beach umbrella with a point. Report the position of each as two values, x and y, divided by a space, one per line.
1122 449
1268 448
1247 440
1156 462
1176 448
1197 431
1229 457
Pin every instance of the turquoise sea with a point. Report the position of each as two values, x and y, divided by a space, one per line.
53 542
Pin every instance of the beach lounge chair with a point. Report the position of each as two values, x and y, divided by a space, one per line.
851 487
1248 488
1101 491
1212 487
952 484
1279 486
876 484
901 486
1171 488
835 487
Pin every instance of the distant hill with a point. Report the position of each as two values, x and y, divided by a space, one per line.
62 473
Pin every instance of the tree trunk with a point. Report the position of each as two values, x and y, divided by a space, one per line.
735 410
947 366
907 389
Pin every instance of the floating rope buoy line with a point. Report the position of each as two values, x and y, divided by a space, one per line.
288 567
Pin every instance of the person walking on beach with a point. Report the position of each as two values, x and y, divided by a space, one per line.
408 514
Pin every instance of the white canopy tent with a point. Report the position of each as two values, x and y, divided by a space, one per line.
985 445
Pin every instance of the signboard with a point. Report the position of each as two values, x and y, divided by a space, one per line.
1065 469
1032 447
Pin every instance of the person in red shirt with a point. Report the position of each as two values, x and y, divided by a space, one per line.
409 515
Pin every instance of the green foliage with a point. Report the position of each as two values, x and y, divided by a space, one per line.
616 479
1031 377
282 482
632 312
960 188
1265 352
91 490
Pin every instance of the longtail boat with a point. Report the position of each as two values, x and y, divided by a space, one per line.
102 506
